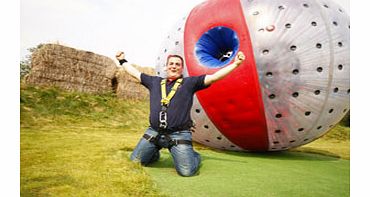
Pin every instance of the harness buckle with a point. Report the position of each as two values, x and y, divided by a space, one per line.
163 119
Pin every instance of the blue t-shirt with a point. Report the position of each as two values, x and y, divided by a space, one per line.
178 111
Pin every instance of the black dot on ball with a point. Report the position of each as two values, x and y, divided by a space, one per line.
295 71
307 113
318 45
335 23
306 5
288 25
197 110
278 115
340 66
336 90
269 74
300 129
277 131
319 69
319 127
340 44
272 96
219 138
206 126
331 110
317 92
293 47
256 13
313 23
348 91
295 94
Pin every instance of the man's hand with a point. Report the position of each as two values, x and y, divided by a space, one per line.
239 58
120 55
209 79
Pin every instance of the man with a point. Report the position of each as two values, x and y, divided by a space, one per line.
170 102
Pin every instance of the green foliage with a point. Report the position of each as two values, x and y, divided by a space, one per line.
51 105
346 120
25 68
25 65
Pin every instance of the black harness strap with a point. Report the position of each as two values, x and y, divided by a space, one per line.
149 137
171 142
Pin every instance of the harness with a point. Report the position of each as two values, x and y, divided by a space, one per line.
165 101
163 140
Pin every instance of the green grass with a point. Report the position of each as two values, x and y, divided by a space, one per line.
75 144
256 174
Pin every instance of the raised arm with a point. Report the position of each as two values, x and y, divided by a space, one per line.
128 67
209 79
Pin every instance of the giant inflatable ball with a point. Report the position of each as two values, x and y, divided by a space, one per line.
294 85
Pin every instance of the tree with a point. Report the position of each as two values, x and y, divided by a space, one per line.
25 65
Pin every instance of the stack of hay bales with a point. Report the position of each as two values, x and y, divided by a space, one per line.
130 88
71 69
84 71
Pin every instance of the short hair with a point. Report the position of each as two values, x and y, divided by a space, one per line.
178 56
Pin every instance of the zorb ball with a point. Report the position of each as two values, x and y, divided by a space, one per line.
291 89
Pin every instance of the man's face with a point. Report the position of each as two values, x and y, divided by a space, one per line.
174 67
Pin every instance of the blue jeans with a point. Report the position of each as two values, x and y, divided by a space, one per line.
186 160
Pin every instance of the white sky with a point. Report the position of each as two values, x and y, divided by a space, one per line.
104 26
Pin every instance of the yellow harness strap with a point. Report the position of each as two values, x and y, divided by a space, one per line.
166 99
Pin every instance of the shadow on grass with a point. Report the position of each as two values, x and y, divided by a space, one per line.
42 183
240 157
315 151
286 155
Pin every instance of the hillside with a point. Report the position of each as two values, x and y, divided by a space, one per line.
78 144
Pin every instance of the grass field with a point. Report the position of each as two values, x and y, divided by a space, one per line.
252 174
75 144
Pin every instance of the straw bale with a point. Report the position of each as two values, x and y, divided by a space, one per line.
71 69
77 70
128 87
